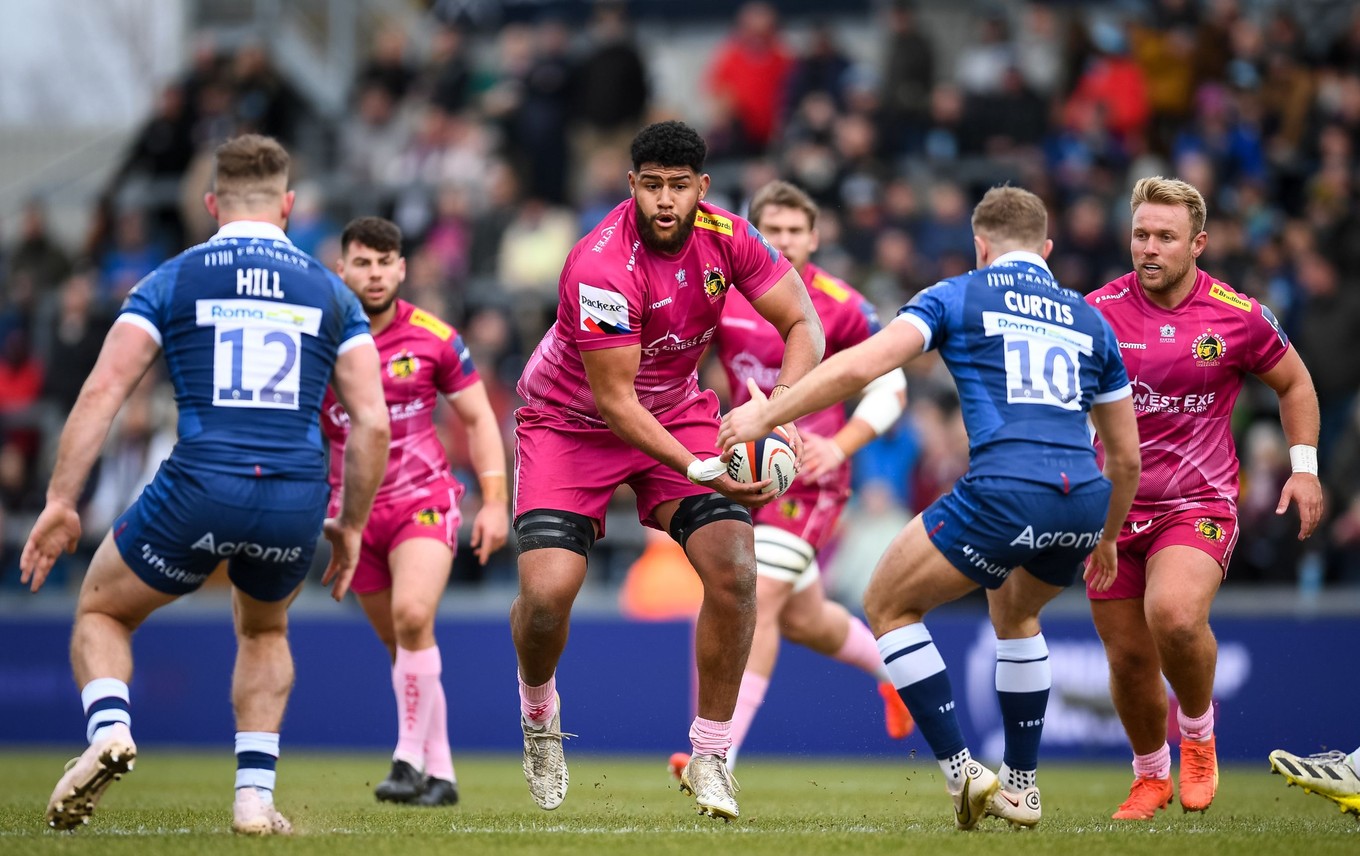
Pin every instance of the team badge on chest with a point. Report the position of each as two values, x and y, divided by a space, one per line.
402 365
715 283
1209 348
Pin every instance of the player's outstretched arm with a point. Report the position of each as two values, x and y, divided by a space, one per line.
883 401
1300 419
1117 427
611 372
492 523
358 384
835 380
127 353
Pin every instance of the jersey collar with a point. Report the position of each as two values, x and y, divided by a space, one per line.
251 229
1021 256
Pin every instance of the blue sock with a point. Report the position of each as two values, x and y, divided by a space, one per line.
1023 678
105 701
257 755
917 670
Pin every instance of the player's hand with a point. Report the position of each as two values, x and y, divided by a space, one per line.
1305 490
1102 566
345 544
747 422
489 529
821 455
56 531
749 495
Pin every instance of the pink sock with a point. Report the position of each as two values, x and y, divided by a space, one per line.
438 755
536 703
1197 728
1155 765
749 698
709 737
415 680
861 650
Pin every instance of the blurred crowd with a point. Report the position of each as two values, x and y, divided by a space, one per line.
494 151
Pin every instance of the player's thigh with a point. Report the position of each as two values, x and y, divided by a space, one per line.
420 573
1181 584
112 588
1123 629
377 606
1014 607
772 599
806 608
912 578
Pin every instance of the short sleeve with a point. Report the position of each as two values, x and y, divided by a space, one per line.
607 306
455 371
756 265
147 303
1114 377
929 312
1267 341
354 328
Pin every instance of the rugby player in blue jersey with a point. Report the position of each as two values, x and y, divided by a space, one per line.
1031 360
253 330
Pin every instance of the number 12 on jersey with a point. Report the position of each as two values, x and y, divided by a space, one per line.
257 348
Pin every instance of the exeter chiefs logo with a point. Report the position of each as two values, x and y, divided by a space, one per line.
429 517
402 365
1209 348
714 282
1209 530
791 509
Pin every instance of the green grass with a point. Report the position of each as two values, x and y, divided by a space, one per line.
179 803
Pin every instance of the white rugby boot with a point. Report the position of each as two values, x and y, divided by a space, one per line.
1019 809
105 761
707 779
252 814
972 799
545 765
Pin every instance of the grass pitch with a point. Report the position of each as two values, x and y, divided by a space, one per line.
180 803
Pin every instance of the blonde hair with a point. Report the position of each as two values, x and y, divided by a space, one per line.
1012 215
782 194
248 167
1171 191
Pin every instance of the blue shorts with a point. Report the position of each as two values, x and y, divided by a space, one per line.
188 520
986 527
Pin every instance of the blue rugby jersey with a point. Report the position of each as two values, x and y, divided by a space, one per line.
251 327
1029 358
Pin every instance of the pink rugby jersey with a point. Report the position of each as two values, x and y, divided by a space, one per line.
614 292
422 358
1186 366
750 347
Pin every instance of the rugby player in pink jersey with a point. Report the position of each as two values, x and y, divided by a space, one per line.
612 398
411 537
1188 342
790 601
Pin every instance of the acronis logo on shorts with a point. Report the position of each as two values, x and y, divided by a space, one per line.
249 549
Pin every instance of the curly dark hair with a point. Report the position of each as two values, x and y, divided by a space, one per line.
375 233
669 144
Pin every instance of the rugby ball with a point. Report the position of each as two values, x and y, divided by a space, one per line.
770 457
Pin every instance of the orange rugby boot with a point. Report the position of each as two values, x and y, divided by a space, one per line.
896 717
1145 797
1199 774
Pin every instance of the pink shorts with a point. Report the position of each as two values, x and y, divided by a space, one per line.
1211 529
809 511
431 512
567 465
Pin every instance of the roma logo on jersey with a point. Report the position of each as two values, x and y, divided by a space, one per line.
403 365
1209 348
429 517
1209 530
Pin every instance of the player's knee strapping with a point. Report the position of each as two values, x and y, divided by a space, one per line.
564 530
699 511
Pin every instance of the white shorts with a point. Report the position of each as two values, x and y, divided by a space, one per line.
786 557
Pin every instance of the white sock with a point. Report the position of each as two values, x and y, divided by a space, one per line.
953 769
